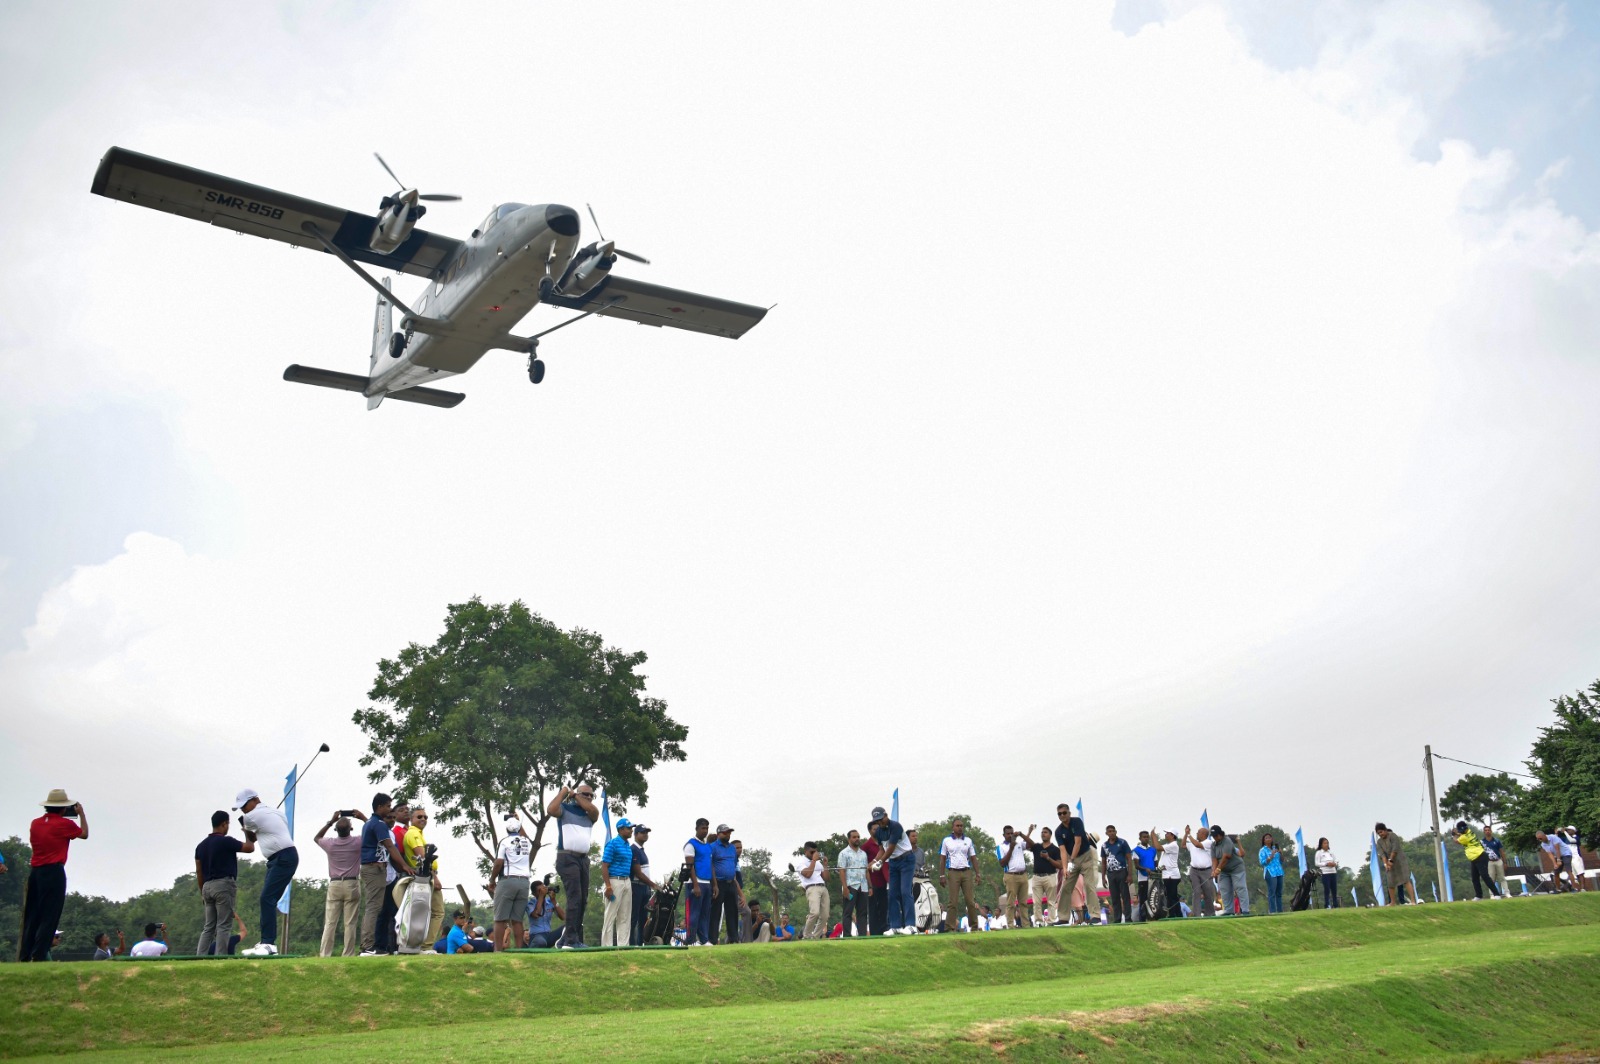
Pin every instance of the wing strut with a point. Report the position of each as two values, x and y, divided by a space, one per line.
434 324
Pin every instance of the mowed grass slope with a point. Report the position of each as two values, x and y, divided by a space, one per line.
1494 979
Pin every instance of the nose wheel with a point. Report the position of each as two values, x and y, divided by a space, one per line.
535 369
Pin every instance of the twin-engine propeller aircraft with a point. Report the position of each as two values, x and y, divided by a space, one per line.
479 288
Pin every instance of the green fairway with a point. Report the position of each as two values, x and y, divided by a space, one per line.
1492 980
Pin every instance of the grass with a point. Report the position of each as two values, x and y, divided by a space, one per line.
1495 980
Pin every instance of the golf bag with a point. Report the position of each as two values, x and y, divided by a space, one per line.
928 911
1155 905
661 914
415 906
1302 894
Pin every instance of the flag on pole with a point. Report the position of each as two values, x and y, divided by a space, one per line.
1205 821
1300 849
1413 884
1444 861
1524 886
1435 887
288 814
1080 808
1354 898
1377 874
605 811
894 813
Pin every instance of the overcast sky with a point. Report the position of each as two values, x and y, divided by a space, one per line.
1172 405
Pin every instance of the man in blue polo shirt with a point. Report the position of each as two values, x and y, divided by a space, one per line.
726 894
616 869
378 851
697 883
902 862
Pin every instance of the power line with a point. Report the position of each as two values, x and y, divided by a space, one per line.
1486 768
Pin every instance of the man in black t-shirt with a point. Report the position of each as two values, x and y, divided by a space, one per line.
1045 885
1078 859
216 870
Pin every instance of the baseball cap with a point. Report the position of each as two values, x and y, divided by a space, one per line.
624 823
639 829
878 813
244 796
723 827
513 825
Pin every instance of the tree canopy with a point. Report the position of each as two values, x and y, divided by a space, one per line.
502 709
1481 799
1566 760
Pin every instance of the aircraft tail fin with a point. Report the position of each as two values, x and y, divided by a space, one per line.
382 329
354 382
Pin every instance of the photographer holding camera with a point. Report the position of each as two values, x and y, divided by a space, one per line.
49 836
154 943
344 886
540 908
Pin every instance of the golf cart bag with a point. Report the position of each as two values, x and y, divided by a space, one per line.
1155 904
661 913
1302 894
415 906
928 912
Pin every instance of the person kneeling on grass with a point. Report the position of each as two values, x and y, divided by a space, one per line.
153 944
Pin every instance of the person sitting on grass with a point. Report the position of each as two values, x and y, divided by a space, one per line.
760 924
153 944
456 940
783 930
480 943
104 951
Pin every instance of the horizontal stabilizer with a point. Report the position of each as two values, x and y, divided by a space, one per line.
355 382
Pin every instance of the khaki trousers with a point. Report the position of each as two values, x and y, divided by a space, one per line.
1085 867
343 907
1497 872
619 913
817 917
960 883
372 895
1046 889
1016 889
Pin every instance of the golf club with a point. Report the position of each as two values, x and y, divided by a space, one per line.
302 774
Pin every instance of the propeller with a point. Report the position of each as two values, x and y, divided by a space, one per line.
602 236
432 197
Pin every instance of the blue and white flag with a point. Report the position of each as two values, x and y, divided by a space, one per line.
1377 872
894 812
1205 821
1413 884
1354 898
1435 887
605 811
288 814
1300 849
1080 810
1444 859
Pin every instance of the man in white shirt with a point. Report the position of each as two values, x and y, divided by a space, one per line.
814 878
1201 885
1168 863
508 885
1013 855
153 944
855 886
960 869
267 828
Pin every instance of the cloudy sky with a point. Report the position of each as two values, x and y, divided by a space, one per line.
1176 405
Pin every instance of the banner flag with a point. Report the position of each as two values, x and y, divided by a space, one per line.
1377 873
894 814
605 812
1080 814
1444 858
1205 821
289 792
1435 887
1413 884
1354 898
1300 849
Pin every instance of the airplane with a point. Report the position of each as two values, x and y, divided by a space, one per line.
479 288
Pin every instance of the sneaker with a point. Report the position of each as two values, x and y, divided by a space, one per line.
569 947
891 931
370 953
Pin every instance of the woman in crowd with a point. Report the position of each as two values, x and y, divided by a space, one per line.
1272 867
1328 867
1478 857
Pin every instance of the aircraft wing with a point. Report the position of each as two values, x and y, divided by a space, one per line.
653 304
246 208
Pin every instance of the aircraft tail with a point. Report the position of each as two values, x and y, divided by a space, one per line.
354 382
382 329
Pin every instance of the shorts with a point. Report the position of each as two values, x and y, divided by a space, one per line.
511 899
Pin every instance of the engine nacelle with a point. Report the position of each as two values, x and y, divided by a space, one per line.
588 271
397 216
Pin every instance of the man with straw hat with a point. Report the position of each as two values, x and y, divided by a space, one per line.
47 879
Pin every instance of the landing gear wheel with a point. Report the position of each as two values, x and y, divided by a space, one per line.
547 287
535 369
397 344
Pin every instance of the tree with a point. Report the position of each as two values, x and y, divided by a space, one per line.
502 709
1566 762
1481 799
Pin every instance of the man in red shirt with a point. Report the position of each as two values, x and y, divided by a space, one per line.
47 879
878 875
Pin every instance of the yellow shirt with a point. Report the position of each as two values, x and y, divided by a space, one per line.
1469 842
414 845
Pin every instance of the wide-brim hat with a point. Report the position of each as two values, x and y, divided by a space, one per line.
57 796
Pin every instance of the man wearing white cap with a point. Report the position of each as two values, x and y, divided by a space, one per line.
49 836
508 885
270 831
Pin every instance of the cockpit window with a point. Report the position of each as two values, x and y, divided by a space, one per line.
499 213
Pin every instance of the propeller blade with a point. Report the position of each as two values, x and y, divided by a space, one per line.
596 222
439 197
631 255
391 173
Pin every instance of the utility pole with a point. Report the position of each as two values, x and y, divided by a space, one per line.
1433 811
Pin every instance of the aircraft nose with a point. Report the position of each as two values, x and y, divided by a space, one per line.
562 221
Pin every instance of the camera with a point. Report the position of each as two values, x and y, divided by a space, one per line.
552 885
354 814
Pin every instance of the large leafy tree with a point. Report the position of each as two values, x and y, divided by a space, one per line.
1566 760
1481 799
502 709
